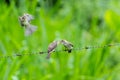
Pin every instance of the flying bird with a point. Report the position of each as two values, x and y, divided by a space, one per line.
68 45
25 22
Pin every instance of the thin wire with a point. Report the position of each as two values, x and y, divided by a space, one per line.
74 49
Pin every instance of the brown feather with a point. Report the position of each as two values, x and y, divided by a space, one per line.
51 48
67 45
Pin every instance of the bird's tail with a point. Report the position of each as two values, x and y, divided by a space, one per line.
30 29
48 56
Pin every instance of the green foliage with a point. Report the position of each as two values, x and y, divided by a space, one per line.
82 22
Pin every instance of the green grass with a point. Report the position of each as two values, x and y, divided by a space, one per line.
82 22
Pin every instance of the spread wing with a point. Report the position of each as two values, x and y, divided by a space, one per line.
29 17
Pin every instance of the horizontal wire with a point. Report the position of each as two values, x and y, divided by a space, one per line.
74 49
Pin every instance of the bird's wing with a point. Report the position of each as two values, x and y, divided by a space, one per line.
52 46
29 17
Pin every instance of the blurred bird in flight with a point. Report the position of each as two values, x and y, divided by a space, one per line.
25 22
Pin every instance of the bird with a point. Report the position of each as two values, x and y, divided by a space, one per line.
68 45
51 48
25 22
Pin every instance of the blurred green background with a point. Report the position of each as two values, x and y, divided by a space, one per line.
82 22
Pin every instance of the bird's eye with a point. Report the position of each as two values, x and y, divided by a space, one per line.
23 17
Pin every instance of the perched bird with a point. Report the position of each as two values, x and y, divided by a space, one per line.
51 48
68 46
25 22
